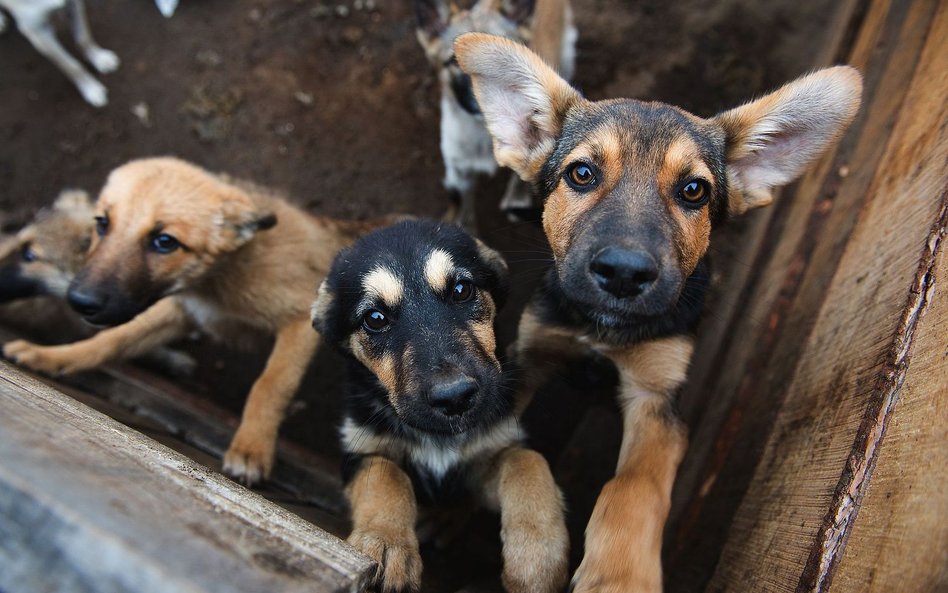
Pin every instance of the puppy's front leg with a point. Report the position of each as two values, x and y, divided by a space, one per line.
159 324
533 527
251 453
624 534
383 523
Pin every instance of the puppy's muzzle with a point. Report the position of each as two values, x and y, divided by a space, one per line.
623 273
87 303
453 393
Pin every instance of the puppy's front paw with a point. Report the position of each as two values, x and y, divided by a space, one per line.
103 60
249 459
397 555
44 359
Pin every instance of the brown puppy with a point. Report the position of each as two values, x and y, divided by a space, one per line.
45 255
177 248
631 191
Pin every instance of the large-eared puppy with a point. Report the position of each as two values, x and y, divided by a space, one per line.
427 413
177 248
631 191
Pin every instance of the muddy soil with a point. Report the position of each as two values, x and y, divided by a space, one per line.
333 103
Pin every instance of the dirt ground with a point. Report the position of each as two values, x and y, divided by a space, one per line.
333 103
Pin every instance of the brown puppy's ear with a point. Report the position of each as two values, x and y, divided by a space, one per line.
240 219
771 140
72 199
524 101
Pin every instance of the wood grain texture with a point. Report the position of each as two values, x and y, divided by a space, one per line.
799 378
87 504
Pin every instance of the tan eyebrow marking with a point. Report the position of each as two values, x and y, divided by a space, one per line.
382 283
439 267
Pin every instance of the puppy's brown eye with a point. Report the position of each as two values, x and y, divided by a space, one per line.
463 291
101 225
581 177
694 193
27 254
374 321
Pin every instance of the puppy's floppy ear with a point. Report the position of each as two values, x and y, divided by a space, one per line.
524 101
771 140
498 267
238 220
431 17
323 311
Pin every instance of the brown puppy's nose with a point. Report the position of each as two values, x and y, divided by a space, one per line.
86 303
452 395
623 273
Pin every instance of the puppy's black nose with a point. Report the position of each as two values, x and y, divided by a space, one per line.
453 395
86 303
622 272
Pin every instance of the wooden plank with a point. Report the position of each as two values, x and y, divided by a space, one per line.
87 504
778 311
198 423
785 535
899 541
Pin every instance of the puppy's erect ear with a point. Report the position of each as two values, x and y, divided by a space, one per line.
524 101
72 199
239 220
771 140
432 17
498 266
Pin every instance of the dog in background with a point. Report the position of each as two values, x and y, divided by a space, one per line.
428 418
544 25
631 192
34 20
176 248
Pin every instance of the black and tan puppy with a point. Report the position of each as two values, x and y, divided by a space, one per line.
178 249
427 414
631 191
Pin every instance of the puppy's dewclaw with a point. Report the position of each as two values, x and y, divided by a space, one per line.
631 191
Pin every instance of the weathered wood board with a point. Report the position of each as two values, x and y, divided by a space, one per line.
87 504
790 419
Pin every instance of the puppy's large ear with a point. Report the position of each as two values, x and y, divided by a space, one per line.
524 101
498 266
239 220
771 140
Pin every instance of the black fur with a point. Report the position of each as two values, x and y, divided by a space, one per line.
433 327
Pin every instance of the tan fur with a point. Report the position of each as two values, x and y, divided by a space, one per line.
383 522
58 237
381 284
261 279
439 269
536 544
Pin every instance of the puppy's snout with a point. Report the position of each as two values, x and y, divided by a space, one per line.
623 273
87 303
453 394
